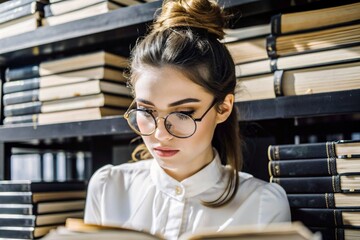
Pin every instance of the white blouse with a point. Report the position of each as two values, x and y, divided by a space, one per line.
142 196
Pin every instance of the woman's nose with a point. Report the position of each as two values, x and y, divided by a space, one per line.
161 133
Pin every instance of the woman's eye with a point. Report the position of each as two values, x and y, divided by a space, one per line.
189 113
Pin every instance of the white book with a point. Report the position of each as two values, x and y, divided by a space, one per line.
20 25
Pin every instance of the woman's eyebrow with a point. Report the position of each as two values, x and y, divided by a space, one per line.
173 104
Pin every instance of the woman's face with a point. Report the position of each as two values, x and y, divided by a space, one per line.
165 90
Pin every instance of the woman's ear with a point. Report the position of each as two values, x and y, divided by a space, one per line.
225 108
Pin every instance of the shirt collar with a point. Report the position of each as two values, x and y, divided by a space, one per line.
191 186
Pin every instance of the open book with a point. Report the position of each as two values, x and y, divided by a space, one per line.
75 229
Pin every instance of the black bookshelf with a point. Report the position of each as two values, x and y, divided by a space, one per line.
332 103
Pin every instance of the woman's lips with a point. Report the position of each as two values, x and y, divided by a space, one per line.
165 152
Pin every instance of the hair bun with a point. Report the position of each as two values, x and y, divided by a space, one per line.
204 14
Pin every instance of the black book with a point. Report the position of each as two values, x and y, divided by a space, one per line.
331 149
25 232
43 207
67 91
107 74
329 233
14 220
8 5
30 198
97 100
313 167
316 217
67 64
21 11
324 200
323 184
33 186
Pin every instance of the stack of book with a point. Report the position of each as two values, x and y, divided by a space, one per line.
322 182
307 52
77 88
30 210
61 11
20 16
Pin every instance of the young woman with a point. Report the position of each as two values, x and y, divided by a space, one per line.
183 80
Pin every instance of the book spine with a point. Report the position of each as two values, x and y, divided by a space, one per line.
309 184
17 234
25 221
276 24
21 85
271 46
302 151
26 210
22 109
13 4
31 71
19 12
316 200
42 186
14 199
318 217
303 167
20 97
21 119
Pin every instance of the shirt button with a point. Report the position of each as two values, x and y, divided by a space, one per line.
178 190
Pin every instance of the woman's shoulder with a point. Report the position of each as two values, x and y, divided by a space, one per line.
125 170
252 184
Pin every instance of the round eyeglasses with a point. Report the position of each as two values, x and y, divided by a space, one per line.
178 124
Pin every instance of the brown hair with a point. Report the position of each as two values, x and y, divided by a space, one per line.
186 36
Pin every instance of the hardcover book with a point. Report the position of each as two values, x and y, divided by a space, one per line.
329 233
30 198
232 35
37 186
96 73
315 217
43 207
324 200
20 25
313 19
314 167
331 149
8 5
248 50
297 43
322 184
65 116
67 64
67 91
25 232
98 100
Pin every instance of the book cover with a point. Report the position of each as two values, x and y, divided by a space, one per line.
322 184
324 200
315 217
314 19
313 167
331 149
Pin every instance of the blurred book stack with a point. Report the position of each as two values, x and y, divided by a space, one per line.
30 210
76 88
58 12
307 52
20 16
322 182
